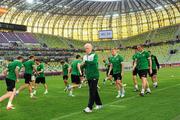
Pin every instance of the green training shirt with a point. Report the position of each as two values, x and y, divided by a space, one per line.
91 66
29 66
154 65
40 68
65 69
11 69
116 63
74 67
142 60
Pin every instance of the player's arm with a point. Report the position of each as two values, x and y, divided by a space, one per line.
23 68
79 68
69 71
5 72
122 68
134 64
41 71
150 65
157 62
110 68
17 73
34 68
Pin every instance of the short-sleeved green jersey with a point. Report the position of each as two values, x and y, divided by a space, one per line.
74 67
142 60
40 67
91 66
29 66
116 62
65 69
154 65
11 69
134 56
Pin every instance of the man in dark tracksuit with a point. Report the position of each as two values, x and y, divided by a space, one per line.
90 62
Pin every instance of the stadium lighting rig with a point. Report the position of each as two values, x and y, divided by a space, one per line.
104 0
30 1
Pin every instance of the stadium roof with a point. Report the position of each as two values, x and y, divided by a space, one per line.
88 7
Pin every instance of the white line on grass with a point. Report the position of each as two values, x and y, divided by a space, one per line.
111 103
118 106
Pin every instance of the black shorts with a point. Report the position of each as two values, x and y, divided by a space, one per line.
75 79
40 80
111 73
27 78
143 73
10 84
135 72
154 72
65 77
117 76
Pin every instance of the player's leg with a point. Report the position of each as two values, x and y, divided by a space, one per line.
21 88
11 98
117 85
97 97
135 80
71 87
26 85
43 81
36 86
88 109
107 77
65 78
9 91
155 82
5 96
154 78
148 90
92 93
121 87
143 85
30 90
33 81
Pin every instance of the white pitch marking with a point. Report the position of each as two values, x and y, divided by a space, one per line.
118 106
125 99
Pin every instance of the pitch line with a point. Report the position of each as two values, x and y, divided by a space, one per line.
111 103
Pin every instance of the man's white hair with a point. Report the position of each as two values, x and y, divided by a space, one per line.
88 45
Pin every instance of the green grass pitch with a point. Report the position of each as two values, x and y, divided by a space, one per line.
162 104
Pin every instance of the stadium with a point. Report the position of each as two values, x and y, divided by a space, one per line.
89 59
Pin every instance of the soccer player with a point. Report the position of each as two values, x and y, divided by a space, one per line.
40 77
75 72
155 67
29 66
33 78
144 64
107 65
135 72
65 70
116 61
90 63
12 76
